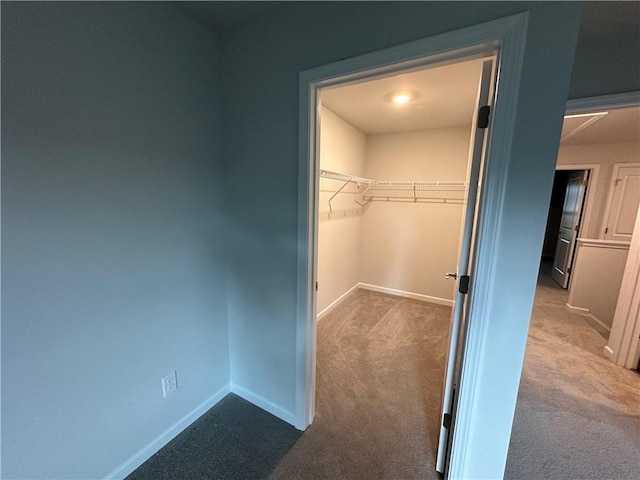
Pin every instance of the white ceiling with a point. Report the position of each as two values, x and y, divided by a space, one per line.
444 98
620 125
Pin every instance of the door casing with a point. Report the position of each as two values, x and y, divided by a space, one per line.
506 37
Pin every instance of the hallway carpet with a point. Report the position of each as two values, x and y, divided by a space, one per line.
578 414
379 386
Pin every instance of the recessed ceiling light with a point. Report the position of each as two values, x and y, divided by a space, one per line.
401 98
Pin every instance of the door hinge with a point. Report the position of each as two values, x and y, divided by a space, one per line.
446 420
483 116
577 228
316 286
463 286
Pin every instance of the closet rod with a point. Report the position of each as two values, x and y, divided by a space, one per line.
347 179
371 190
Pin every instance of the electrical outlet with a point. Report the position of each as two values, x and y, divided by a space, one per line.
169 383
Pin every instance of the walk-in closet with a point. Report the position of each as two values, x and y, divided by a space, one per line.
393 164
393 185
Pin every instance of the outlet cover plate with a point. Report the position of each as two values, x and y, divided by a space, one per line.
169 383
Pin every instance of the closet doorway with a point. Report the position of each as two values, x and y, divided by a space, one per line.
400 164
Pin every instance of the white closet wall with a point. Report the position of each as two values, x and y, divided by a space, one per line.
410 246
342 149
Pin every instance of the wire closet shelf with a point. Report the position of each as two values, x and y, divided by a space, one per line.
373 190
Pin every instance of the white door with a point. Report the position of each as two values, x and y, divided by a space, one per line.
569 225
459 310
624 203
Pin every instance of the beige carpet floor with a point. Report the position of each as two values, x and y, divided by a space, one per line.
380 371
578 414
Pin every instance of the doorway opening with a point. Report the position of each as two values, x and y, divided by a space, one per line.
504 40
564 223
399 175
568 383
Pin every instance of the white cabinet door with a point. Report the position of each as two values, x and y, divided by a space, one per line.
624 203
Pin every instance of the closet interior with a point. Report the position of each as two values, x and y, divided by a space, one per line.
394 154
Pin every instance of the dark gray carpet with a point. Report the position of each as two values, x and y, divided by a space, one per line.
380 371
233 440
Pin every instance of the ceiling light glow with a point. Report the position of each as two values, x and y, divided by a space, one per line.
401 98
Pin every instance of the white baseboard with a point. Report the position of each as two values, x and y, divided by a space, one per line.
336 302
264 404
152 447
400 293
608 353
578 310
594 321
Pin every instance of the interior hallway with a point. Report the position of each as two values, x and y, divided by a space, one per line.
578 414
380 368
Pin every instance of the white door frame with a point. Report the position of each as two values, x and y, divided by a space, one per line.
624 341
507 37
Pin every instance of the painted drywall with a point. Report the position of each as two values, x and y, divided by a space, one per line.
606 264
608 61
112 232
410 246
342 149
262 62
605 155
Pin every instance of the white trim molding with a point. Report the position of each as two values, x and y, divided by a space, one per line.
577 310
336 302
386 290
404 294
146 452
506 39
594 321
624 341
264 404
616 100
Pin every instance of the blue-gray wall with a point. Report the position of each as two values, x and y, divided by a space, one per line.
607 56
112 231
261 63
112 219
